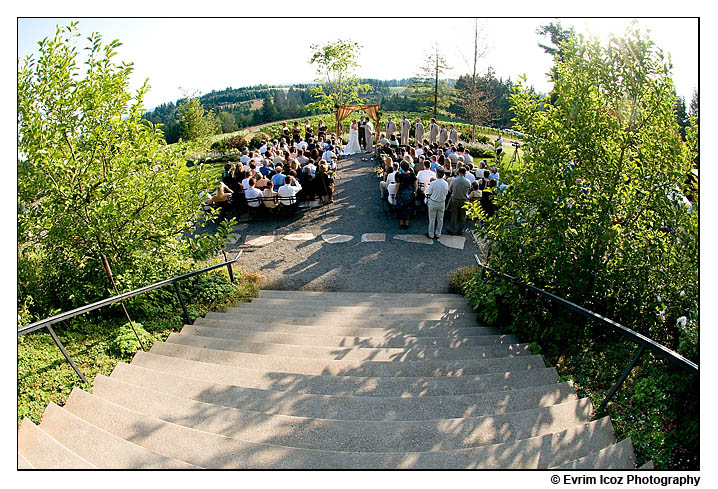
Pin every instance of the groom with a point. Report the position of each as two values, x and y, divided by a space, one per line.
362 135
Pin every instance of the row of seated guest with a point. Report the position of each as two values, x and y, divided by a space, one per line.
313 181
405 188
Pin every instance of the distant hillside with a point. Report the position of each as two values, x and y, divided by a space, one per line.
237 108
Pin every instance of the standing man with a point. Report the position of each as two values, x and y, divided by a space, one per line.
390 128
459 188
362 134
453 135
443 136
405 126
419 132
368 135
435 201
433 131
499 147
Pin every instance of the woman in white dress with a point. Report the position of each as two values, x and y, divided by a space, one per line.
352 146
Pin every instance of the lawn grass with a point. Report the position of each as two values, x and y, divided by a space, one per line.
43 374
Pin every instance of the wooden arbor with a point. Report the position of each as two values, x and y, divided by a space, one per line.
372 111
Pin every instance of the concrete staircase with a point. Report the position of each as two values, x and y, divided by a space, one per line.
297 380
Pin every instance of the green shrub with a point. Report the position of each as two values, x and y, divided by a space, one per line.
125 343
458 281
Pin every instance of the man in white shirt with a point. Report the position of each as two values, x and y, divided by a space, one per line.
288 192
425 176
252 194
467 157
263 148
418 150
302 145
244 158
436 201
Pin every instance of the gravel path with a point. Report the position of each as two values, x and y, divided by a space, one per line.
390 266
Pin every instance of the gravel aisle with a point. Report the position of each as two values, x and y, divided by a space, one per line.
390 266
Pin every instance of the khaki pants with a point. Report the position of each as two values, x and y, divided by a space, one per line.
436 218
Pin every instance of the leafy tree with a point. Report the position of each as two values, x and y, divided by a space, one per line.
226 121
429 90
95 178
596 213
693 109
596 216
337 83
196 122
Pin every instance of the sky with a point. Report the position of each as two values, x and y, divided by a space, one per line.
198 55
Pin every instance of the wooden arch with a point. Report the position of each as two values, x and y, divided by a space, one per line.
372 111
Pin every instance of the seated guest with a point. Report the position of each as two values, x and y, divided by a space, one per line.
383 141
487 199
288 192
278 159
424 177
302 145
467 156
494 175
475 192
253 195
306 180
265 169
222 195
418 150
324 184
260 181
389 178
434 163
268 194
301 158
245 156
393 141
329 154
278 178
227 175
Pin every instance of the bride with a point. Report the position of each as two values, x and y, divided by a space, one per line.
352 146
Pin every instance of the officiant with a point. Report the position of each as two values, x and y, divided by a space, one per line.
362 134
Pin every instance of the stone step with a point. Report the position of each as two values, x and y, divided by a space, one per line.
328 434
239 334
23 463
346 385
345 407
221 452
297 365
331 303
42 451
390 309
350 354
315 314
355 296
385 329
101 448
619 456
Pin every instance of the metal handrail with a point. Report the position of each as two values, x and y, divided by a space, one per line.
642 341
63 316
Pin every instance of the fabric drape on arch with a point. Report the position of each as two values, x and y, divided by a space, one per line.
372 111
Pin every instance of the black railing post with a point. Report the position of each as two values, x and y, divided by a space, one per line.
229 267
64 352
184 309
623 377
